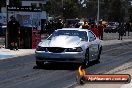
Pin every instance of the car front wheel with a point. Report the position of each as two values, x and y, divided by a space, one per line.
98 57
86 60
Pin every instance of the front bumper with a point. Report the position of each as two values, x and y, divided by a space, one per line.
76 57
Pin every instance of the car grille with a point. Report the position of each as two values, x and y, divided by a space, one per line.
55 49
59 59
42 49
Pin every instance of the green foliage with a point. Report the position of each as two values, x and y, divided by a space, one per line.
130 13
118 10
54 8
115 11
112 10
14 2
70 9
63 8
2 3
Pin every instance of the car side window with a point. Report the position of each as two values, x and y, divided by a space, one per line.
91 36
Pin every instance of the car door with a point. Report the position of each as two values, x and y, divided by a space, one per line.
93 47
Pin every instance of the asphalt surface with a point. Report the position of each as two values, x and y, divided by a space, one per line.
19 73
118 60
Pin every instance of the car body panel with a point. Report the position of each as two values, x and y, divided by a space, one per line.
62 41
93 47
65 42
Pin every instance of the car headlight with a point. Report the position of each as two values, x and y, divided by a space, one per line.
39 48
77 49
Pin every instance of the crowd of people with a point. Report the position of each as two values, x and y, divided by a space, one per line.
97 30
124 29
51 26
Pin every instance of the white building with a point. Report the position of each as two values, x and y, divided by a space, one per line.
37 3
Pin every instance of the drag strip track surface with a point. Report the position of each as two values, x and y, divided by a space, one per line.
19 73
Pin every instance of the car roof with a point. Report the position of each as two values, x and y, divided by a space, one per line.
78 29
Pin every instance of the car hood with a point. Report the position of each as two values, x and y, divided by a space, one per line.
62 41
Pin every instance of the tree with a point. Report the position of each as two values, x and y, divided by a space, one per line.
118 10
2 3
70 9
130 13
66 9
90 7
111 10
54 8
14 2
115 11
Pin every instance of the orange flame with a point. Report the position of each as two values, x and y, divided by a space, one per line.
81 71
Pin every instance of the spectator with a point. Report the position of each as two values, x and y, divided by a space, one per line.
100 30
121 31
94 30
85 26
48 27
13 33
127 27
130 26
59 25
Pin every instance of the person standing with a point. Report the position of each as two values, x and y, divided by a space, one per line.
13 27
94 29
121 31
130 26
127 27
48 27
100 30
85 25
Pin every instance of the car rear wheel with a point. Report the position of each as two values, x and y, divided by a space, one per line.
86 60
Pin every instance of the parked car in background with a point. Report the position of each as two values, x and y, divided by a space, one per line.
112 27
72 45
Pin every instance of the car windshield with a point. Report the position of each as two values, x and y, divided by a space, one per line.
81 34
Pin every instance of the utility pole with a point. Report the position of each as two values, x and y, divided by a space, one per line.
98 13
62 8
62 3
6 36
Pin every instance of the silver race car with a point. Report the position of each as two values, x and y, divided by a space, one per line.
69 45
